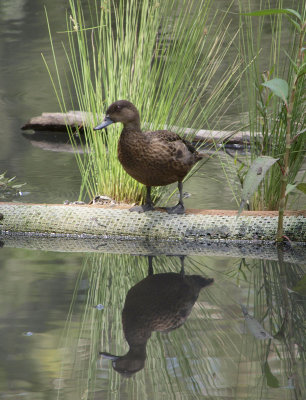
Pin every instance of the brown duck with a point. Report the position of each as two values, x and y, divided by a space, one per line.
160 302
155 158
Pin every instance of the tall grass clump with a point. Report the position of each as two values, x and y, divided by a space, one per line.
162 56
274 92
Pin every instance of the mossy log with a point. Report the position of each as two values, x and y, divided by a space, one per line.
116 230
118 222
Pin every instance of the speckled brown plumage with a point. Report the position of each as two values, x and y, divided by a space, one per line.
154 158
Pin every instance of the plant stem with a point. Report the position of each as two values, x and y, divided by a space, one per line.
288 320
285 174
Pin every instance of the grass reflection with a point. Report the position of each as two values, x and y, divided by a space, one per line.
278 363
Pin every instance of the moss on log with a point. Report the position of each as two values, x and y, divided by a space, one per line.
118 222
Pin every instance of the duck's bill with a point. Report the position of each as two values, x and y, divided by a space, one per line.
108 356
107 121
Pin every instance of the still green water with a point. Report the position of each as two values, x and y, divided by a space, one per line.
50 331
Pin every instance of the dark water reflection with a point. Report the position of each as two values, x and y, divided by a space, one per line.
160 302
213 354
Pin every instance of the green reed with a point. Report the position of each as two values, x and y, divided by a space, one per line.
162 56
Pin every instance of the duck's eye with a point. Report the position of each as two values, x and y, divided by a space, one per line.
118 108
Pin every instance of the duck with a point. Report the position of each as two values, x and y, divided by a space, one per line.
153 158
160 302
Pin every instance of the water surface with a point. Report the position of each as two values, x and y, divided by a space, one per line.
52 331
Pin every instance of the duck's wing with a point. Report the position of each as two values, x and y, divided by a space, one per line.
172 137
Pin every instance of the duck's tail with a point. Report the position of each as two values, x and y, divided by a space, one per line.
201 282
201 154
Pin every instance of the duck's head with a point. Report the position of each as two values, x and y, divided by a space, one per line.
121 111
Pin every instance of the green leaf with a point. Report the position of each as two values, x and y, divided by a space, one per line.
302 69
274 11
289 188
301 187
279 87
254 176
272 381
18 186
302 132
292 62
257 330
293 12
295 24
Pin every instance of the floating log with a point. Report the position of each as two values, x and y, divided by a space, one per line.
77 120
58 121
117 222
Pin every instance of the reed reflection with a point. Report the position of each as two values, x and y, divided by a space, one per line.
160 302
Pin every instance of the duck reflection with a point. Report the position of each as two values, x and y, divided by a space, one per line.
160 302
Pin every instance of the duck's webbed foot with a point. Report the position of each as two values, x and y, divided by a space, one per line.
143 208
148 206
178 209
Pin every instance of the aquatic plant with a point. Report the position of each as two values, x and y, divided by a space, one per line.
276 101
281 107
9 188
162 56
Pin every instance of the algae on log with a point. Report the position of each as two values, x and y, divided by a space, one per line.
118 222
